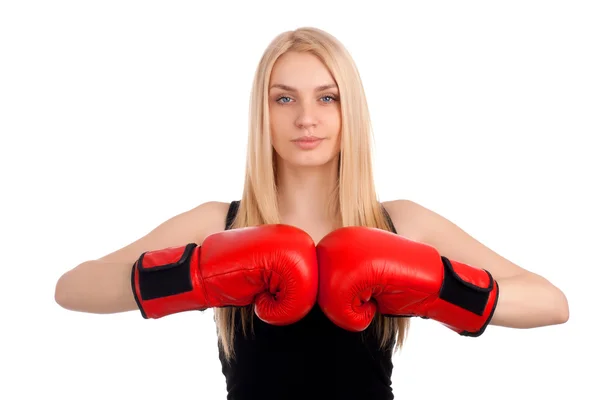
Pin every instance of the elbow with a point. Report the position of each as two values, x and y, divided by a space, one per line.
556 306
61 292
562 308
563 318
65 291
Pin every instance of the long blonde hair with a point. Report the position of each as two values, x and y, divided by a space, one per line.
355 198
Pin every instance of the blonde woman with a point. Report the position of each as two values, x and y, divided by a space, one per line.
313 281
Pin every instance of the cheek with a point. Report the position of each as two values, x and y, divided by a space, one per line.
334 122
278 120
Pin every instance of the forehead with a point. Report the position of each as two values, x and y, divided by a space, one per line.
300 70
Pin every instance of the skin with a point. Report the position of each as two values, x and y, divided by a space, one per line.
298 108
527 300
305 179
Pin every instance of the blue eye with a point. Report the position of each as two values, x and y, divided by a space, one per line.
280 99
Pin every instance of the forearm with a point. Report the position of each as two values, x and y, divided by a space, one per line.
96 287
529 301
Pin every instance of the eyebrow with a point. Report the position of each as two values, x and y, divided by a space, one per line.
291 89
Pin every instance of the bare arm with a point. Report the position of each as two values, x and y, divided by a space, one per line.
527 300
103 286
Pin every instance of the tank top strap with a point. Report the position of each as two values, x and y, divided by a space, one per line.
292 361
235 205
231 214
388 219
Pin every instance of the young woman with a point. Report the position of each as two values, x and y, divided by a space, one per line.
313 281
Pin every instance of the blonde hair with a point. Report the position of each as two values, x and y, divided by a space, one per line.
355 198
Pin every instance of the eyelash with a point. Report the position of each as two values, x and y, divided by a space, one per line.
333 98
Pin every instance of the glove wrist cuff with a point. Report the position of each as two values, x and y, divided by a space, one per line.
163 281
467 299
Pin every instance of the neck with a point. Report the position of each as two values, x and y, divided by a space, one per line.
307 193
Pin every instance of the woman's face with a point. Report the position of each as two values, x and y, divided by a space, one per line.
304 111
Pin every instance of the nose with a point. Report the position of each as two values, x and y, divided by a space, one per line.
307 116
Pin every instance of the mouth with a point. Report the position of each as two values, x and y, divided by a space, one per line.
307 139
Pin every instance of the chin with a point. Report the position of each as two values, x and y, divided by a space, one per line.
310 159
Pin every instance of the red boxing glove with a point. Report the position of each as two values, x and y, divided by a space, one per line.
273 267
364 270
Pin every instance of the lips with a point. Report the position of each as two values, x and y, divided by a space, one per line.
308 139
307 143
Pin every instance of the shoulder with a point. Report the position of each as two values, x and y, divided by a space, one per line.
410 218
427 226
192 225
211 216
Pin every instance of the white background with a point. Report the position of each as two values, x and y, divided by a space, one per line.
117 115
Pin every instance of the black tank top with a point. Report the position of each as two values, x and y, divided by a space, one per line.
311 359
